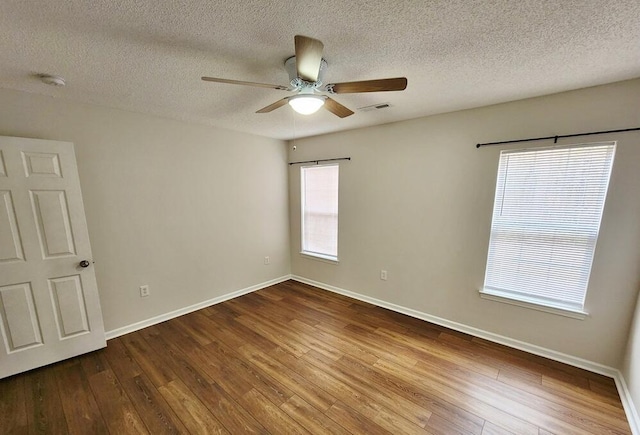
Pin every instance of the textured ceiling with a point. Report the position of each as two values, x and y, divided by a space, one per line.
148 55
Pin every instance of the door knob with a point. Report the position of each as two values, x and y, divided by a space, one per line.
84 263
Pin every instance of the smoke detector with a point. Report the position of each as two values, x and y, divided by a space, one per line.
52 80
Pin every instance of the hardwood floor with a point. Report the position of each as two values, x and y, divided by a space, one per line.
295 359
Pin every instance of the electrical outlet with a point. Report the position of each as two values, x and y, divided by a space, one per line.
144 291
267 260
383 275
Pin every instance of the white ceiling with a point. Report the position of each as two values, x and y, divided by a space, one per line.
148 55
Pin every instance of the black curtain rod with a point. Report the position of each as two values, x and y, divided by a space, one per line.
555 138
318 161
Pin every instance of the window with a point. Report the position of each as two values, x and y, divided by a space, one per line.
319 187
546 218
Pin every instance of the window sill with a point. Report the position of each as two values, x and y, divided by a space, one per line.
533 304
320 257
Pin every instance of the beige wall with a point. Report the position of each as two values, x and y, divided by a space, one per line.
416 200
188 209
631 363
192 210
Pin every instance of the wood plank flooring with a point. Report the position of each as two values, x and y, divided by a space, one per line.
293 359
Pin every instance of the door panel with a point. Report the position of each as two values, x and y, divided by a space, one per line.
41 164
21 328
10 242
49 306
52 215
67 297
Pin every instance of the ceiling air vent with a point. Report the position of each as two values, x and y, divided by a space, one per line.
378 106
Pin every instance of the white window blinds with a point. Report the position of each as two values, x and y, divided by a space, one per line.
546 219
320 210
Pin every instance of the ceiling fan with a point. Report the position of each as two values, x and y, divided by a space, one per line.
306 70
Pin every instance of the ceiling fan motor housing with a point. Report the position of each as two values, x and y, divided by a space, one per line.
290 67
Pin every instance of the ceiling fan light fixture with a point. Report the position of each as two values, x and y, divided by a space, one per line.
306 104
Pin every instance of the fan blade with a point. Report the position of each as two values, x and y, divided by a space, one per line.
238 82
274 106
308 57
380 85
336 108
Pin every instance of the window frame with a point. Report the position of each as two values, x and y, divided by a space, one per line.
312 254
539 302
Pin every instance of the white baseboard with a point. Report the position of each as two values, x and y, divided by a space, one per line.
627 402
195 307
625 396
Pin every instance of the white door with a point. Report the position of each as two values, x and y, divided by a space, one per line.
49 305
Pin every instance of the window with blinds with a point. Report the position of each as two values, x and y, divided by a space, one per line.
319 187
546 218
